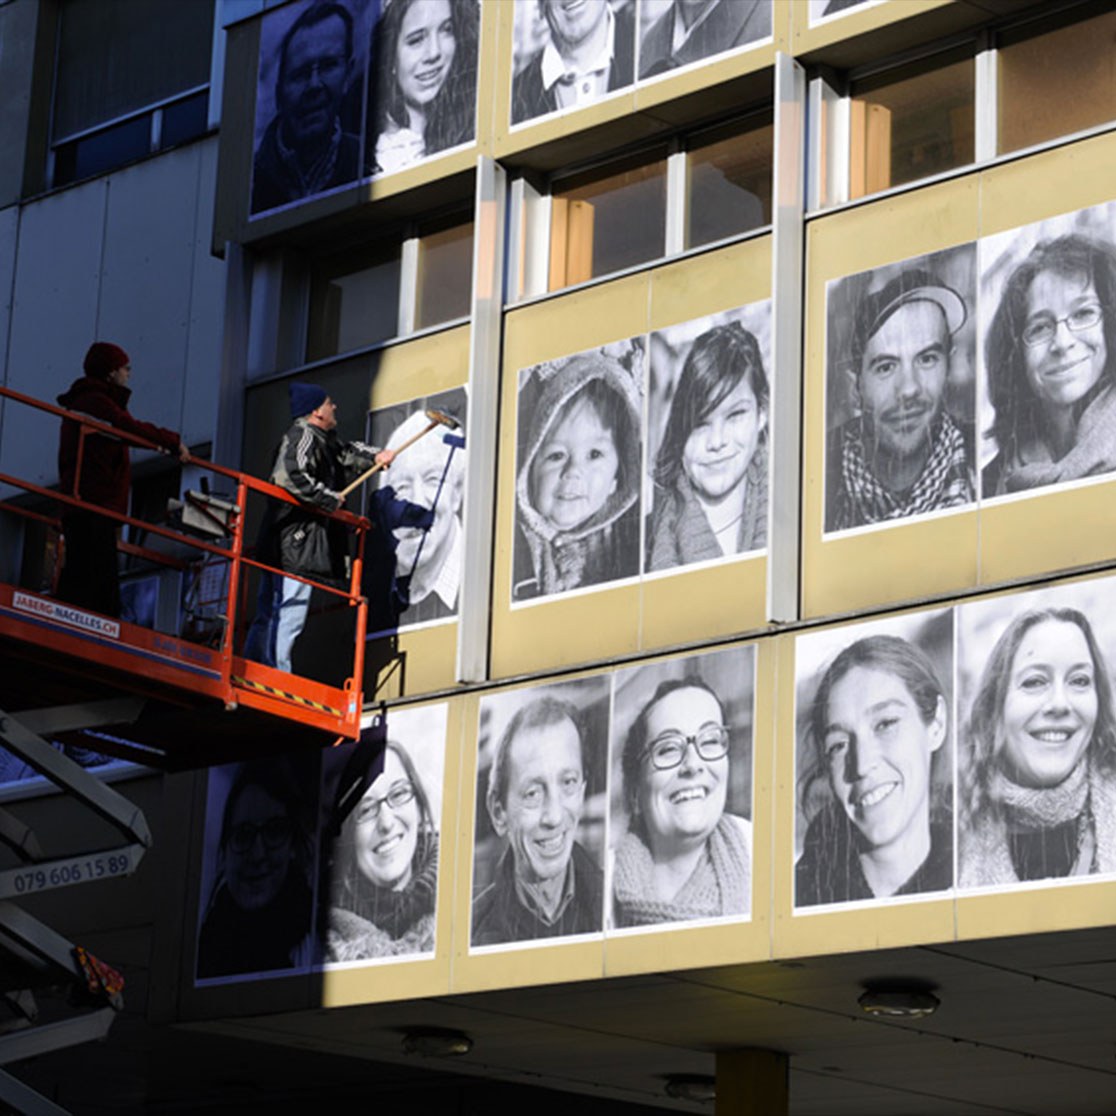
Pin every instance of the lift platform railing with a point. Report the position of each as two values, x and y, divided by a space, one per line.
236 680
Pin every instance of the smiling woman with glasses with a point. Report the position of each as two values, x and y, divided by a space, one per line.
1049 357
683 857
384 865
258 918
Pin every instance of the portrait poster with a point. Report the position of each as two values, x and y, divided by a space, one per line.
822 11
422 84
680 804
256 897
541 814
578 468
568 55
352 89
1037 757
678 33
379 830
900 401
705 486
874 761
1048 353
310 96
412 572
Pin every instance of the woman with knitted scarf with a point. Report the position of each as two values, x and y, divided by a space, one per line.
385 865
1040 777
683 858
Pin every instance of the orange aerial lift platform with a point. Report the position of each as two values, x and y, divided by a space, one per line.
194 699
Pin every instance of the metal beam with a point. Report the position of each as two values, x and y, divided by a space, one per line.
89 714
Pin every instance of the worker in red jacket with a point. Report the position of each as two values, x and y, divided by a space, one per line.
90 575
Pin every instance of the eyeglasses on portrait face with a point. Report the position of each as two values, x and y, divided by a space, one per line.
1041 329
396 798
275 833
326 69
669 748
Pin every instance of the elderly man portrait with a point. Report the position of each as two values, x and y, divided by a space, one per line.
417 507
305 148
690 30
591 52
902 453
545 884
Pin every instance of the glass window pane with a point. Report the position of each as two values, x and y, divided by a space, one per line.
911 124
118 56
1057 82
186 119
113 147
602 223
445 275
729 183
354 301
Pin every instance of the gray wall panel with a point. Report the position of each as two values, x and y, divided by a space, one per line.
54 314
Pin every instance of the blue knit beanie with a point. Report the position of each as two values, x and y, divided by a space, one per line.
306 398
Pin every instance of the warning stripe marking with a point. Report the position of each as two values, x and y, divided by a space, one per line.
298 699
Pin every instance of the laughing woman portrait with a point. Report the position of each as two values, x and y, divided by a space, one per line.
423 82
385 867
684 857
1050 357
1039 778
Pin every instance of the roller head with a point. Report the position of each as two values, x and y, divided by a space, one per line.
444 419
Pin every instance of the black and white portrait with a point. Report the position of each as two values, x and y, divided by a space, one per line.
1048 330
1037 758
541 800
309 100
681 797
257 882
578 464
874 760
674 33
823 10
422 87
900 390
570 53
708 396
413 555
381 815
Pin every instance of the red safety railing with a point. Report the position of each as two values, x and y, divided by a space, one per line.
216 669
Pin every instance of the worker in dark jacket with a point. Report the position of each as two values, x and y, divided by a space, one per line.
90 577
313 465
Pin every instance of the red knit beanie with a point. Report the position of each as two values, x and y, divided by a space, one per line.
103 359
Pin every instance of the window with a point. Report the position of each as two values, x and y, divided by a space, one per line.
1053 82
445 274
354 300
132 78
912 123
607 219
729 181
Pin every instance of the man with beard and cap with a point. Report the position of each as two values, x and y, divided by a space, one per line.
545 885
591 52
305 149
90 575
903 454
313 465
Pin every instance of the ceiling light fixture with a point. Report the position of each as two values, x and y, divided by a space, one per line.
899 1001
436 1042
691 1087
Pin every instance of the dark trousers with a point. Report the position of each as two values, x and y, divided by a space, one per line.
90 576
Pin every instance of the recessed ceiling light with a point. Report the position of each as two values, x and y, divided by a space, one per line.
899 1002
691 1086
436 1042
